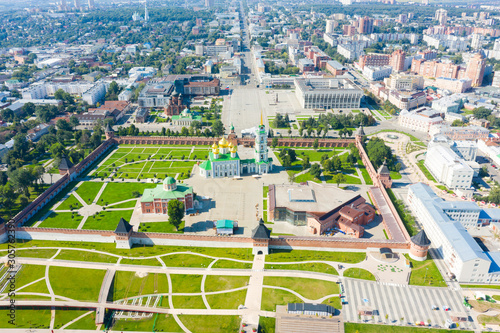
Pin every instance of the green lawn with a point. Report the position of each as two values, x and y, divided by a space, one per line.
312 267
38 287
86 323
137 251
359 273
230 300
395 175
64 316
308 288
188 302
107 219
486 286
348 179
139 261
28 274
273 297
76 283
164 323
336 302
39 318
129 284
425 273
224 282
88 191
35 253
186 260
278 255
267 324
167 323
62 220
232 264
115 192
316 155
85 256
425 171
372 328
164 227
183 283
70 203
365 174
127 204
211 324
265 191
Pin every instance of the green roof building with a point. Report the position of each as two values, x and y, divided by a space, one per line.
224 161
155 200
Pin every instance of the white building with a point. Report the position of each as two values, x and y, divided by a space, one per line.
404 82
452 43
465 149
139 73
444 224
373 73
420 119
95 94
351 51
448 168
336 93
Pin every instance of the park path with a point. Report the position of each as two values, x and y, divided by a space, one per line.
75 320
360 176
253 298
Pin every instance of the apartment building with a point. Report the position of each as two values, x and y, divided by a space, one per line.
448 168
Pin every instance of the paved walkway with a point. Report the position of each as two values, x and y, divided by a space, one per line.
254 294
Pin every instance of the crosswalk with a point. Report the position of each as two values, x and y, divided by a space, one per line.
401 303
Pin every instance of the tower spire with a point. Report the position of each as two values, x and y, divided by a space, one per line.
261 121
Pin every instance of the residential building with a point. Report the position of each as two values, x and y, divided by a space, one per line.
336 68
404 82
327 93
466 150
351 51
365 25
475 69
349 30
95 94
306 65
377 73
407 99
457 86
441 16
460 133
448 168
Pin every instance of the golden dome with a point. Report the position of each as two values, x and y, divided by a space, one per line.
223 142
233 149
214 146
216 151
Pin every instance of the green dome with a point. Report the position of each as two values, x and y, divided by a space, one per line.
169 181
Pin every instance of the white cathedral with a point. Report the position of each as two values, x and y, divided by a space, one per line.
223 159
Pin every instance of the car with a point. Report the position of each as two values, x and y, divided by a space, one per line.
435 307
493 166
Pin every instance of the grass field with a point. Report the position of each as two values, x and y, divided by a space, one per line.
139 261
186 260
188 302
211 324
304 255
85 256
86 323
76 283
129 284
28 274
224 282
336 302
38 287
426 172
477 286
164 227
62 220
267 324
232 264
425 273
311 267
25 318
182 283
273 297
359 273
308 288
116 192
70 203
372 328
64 316
164 323
88 191
107 220
230 300
36 253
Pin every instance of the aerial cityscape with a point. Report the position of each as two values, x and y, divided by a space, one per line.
249 166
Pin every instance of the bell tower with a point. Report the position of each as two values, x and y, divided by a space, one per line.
261 143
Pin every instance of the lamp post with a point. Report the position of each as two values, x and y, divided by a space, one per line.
426 270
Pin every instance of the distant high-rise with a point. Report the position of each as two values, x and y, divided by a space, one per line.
77 4
397 60
91 4
441 16
365 25
330 26
146 14
475 69
209 3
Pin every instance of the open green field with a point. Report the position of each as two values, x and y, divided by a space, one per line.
329 178
164 227
183 283
267 324
273 297
224 282
359 273
62 220
116 192
278 255
130 284
316 155
211 324
137 251
76 283
71 203
186 260
64 316
335 301
28 274
480 286
311 267
425 273
88 191
308 288
232 264
85 256
188 302
164 323
365 174
25 318
85 323
36 253
139 261
107 219
37 287
230 300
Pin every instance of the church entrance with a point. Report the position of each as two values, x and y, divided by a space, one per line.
260 252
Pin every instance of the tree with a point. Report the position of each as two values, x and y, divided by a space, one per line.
316 144
315 171
175 213
457 123
351 159
291 178
336 163
339 178
21 179
73 121
7 196
274 142
63 125
481 112
218 128
305 162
